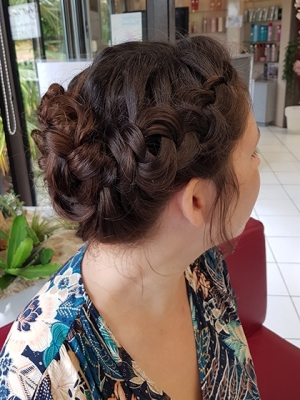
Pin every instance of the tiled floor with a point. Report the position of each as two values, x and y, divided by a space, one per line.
278 207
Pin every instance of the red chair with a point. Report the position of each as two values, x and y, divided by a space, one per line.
276 361
4 330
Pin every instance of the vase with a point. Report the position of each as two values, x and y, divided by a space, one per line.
298 80
292 114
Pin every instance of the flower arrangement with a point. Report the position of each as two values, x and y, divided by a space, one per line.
297 6
291 66
296 67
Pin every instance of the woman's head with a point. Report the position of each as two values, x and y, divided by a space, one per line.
134 128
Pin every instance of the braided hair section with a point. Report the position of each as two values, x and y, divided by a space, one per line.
134 128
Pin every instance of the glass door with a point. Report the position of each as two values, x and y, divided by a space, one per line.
50 41
46 41
15 170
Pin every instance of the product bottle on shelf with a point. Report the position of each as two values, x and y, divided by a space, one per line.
273 53
268 52
259 13
256 53
204 25
212 5
252 33
278 32
219 5
251 17
270 31
194 28
194 5
213 24
263 33
256 33
220 24
259 54
262 52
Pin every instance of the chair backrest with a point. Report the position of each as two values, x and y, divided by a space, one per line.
4 330
248 273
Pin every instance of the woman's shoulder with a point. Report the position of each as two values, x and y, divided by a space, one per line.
41 329
27 378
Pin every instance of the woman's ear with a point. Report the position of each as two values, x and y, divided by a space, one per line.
194 201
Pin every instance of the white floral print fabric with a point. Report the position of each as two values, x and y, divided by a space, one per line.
61 348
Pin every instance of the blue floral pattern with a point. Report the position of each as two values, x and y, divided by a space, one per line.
61 348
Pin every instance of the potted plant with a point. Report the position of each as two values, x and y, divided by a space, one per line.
33 244
22 241
291 66
291 74
25 255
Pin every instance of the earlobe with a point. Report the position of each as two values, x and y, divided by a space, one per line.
192 202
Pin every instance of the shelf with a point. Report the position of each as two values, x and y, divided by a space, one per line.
260 62
207 11
260 1
270 42
207 34
263 22
265 62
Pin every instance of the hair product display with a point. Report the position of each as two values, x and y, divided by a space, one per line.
264 33
272 13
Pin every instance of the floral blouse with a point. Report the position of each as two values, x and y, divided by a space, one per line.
61 348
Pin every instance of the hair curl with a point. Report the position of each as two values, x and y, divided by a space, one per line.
133 128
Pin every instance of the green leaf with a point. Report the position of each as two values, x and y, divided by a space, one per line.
43 227
16 236
3 235
288 74
2 264
6 280
33 236
22 253
46 256
34 271
34 258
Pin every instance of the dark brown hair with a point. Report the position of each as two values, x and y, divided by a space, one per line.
133 128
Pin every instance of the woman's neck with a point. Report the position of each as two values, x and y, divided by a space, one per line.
133 279
146 278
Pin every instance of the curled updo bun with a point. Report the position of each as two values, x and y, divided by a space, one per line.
134 128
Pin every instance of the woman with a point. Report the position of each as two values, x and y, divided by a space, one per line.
152 151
